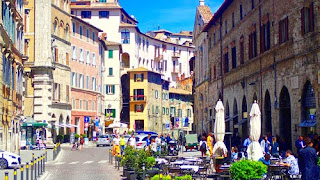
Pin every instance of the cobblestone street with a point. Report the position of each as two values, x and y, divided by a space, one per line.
89 163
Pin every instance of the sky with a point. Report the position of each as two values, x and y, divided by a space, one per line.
172 15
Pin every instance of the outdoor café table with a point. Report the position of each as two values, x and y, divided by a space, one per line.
180 162
277 169
225 171
194 168
193 159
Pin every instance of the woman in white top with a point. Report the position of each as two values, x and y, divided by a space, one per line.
153 146
158 143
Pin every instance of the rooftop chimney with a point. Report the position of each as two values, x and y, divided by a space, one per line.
201 2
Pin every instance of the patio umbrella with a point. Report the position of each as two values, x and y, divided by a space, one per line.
254 149
219 130
118 125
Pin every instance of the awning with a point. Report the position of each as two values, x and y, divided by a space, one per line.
308 123
240 122
30 122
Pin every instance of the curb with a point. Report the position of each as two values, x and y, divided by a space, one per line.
44 175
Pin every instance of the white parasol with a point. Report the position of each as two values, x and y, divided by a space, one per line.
118 125
254 149
219 130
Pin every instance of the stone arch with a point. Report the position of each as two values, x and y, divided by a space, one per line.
67 32
125 60
61 129
235 111
285 116
68 122
55 26
255 97
244 109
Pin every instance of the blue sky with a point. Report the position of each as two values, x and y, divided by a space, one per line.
173 15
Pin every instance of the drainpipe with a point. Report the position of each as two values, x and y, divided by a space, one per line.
221 60
261 81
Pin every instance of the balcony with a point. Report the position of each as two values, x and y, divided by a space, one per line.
176 55
138 98
158 57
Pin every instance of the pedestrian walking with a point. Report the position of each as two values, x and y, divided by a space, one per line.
210 143
81 143
203 147
300 143
308 159
153 147
132 141
158 142
122 144
116 145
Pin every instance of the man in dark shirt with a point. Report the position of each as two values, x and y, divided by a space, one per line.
148 140
308 159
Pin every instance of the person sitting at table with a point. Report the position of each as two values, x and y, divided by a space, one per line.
292 163
234 154
266 159
274 148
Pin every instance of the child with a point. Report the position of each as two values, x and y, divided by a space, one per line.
234 154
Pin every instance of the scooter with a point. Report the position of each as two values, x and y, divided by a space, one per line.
173 148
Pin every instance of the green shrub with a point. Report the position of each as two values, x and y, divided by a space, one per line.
319 162
185 177
129 158
76 136
247 169
160 176
84 135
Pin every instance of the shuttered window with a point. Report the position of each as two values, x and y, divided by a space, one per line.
283 30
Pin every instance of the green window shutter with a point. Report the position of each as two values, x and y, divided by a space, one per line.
110 71
110 53
105 112
135 77
106 89
113 86
141 77
113 113
135 108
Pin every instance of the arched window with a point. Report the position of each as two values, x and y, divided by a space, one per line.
61 29
125 36
66 32
55 27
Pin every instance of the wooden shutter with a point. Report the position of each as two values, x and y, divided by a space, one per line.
59 92
262 38
135 77
56 53
280 35
311 18
286 22
67 59
142 77
135 108
113 113
268 35
302 21
67 93
250 46
113 89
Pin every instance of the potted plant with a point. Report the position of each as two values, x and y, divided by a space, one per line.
129 162
66 138
76 136
84 135
248 169
160 176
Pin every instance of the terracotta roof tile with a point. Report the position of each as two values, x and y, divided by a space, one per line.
205 13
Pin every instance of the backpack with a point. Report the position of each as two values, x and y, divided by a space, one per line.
203 146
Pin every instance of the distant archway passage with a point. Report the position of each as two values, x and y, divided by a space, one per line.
267 121
191 64
285 117
244 116
125 85
125 60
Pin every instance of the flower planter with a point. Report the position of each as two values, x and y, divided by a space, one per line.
131 175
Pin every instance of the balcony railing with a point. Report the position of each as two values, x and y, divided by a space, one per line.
175 71
138 98
176 55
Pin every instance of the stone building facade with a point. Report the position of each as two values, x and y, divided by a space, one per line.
202 118
48 43
86 65
13 73
266 51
